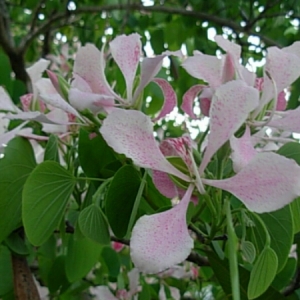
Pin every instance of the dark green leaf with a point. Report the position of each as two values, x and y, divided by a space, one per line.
45 196
6 272
15 166
120 199
82 255
112 261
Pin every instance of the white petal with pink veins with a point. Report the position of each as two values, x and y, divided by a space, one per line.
6 103
49 95
290 121
170 98
243 150
126 51
85 100
162 240
230 107
229 47
89 65
35 73
164 184
188 99
284 69
205 67
150 66
130 132
269 182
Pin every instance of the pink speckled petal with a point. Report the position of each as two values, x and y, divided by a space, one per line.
89 65
36 116
229 46
289 121
269 182
205 67
150 66
284 69
181 146
164 184
243 150
188 99
94 102
6 103
134 277
26 101
49 95
126 51
60 118
162 240
228 71
130 132
281 101
35 73
170 98
7 136
230 107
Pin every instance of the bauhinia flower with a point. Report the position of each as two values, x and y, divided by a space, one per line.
266 181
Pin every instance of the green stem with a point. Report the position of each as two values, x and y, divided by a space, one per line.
232 253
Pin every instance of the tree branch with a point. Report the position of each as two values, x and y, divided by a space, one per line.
144 9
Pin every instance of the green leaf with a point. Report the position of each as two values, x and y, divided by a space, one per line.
286 275
280 227
291 150
82 255
6 272
94 155
45 196
248 251
112 261
93 224
15 166
120 199
51 150
16 244
295 210
57 279
263 273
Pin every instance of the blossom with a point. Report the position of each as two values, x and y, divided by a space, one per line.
266 181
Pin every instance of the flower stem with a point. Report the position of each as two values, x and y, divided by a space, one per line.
232 253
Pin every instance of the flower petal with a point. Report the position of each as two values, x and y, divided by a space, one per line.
126 51
49 95
188 99
130 132
6 103
284 69
228 46
35 73
103 292
289 121
205 67
89 65
164 184
230 107
243 150
150 66
269 182
162 240
170 98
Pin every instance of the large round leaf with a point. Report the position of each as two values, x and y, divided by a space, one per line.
15 166
45 196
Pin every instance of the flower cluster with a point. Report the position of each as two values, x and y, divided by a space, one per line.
240 107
